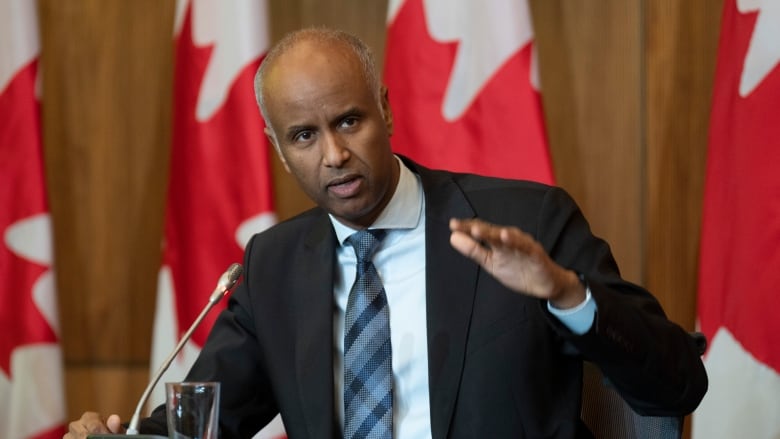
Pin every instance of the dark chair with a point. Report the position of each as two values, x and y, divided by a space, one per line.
608 416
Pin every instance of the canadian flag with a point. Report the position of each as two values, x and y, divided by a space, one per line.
463 85
31 382
220 191
739 273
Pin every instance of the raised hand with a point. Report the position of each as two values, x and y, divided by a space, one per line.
516 260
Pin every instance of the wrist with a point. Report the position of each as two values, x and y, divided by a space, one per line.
571 293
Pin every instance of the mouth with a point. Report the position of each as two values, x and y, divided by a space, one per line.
346 186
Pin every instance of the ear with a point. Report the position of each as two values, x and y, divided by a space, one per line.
387 112
269 133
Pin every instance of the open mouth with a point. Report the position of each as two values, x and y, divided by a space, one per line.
345 187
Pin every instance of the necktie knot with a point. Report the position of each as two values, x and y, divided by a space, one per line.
365 243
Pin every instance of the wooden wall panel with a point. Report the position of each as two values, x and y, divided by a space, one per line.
106 112
680 61
106 388
589 59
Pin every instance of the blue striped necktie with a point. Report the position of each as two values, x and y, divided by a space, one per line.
368 369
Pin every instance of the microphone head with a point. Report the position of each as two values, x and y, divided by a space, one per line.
226 282
234 272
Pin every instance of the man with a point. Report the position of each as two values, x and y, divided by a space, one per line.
488 324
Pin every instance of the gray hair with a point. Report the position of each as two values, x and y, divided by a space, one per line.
319 35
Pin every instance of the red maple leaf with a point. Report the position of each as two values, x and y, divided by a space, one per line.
740 249
219 177
22 196
500 134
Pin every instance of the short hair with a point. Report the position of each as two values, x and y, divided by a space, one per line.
319 35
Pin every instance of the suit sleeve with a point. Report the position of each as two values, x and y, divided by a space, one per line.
652 362
232 357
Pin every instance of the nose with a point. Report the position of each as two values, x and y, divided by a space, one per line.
334 150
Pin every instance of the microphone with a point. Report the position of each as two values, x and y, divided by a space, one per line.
226 283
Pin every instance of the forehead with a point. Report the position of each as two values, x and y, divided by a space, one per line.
314 68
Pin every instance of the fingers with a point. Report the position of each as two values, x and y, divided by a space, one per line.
114 424
90 422
482 242
469 247
474 239
493 236
480 231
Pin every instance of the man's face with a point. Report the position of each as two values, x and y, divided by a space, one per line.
330 133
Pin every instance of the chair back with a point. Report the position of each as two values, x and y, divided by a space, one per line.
608 416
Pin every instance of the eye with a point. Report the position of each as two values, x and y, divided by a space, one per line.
303 136
349 122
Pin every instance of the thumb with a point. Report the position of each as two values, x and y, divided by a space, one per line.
114 424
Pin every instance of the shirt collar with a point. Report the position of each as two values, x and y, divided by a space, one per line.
402 212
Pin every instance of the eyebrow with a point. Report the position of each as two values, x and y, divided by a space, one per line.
352 111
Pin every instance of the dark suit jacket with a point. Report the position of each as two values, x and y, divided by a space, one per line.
499 364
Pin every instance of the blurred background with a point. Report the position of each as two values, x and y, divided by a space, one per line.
626 88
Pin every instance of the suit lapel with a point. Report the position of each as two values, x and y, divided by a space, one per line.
314 343
450 285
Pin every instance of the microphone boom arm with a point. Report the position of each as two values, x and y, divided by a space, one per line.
226 282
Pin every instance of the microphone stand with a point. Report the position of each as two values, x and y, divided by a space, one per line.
226 283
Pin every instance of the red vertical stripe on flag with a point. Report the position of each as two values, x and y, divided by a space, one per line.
460 79
220 183
220 178
740 248
32 402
